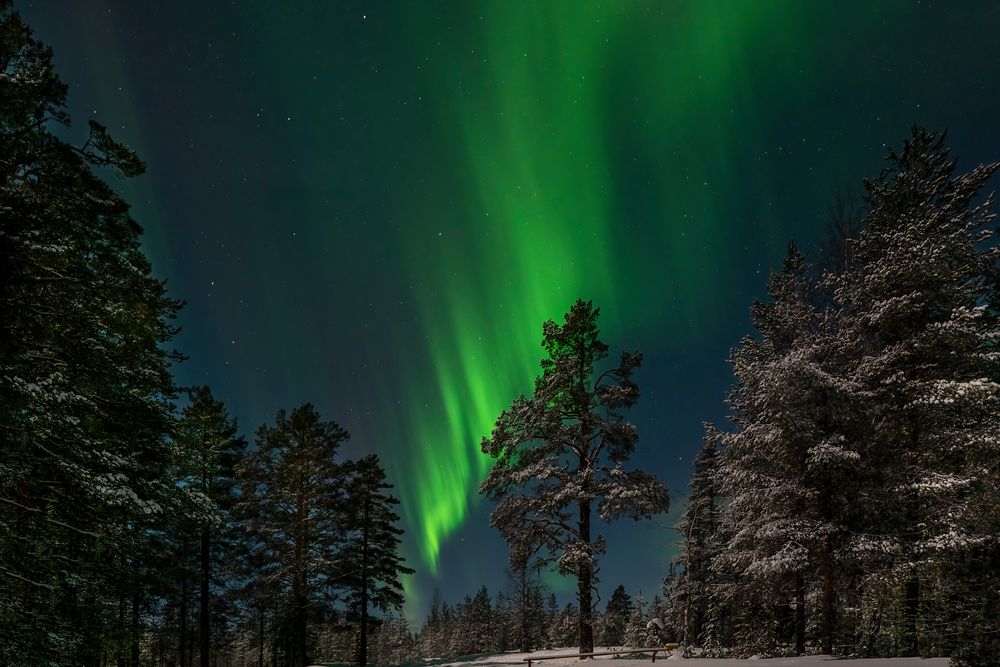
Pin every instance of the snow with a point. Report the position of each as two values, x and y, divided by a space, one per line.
804 661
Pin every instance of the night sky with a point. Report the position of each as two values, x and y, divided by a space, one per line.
374 207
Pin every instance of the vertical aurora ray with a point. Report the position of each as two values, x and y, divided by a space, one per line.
537 237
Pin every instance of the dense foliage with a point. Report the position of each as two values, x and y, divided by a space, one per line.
856 497
85 387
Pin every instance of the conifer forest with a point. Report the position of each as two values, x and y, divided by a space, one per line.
421 334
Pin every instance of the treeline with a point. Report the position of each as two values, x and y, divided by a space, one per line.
130 532
853 506
525 618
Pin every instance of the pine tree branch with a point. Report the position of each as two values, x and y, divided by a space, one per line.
14 575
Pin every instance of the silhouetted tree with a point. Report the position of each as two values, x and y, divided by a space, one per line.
616 616
370 556
85 387
212 449
292 492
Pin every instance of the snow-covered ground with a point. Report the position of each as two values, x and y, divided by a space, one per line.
806 661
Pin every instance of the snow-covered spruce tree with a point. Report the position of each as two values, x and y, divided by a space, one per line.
698 530
369 556
429 638
762 561
481 614
636 632
670 616
659 608
616 616
459 635
560 456
915 306
529 618
208 439
473 635
551 618
292 495
565 627
85 388
978 641
393 641
501 624
788 469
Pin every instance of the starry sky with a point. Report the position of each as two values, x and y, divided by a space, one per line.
374 206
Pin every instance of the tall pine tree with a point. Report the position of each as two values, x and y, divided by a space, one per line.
85 387
560 456
616 616
213 449
370 553
292 492
698 529
915 308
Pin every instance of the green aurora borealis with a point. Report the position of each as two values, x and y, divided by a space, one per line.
374 207
533 130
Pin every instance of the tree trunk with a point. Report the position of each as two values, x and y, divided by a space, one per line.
182 649
203 620
298 648
829 599
523 612
260 652
122 632
912 647
800 614
585 579
136 605
363 649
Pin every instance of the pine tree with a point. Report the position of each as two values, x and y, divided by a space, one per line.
530 620
560 456
914 308
791 468
635 628
551 619
616 616
208 438
370 554
565 627
501 624
85 388
292 492
428 641
698 529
